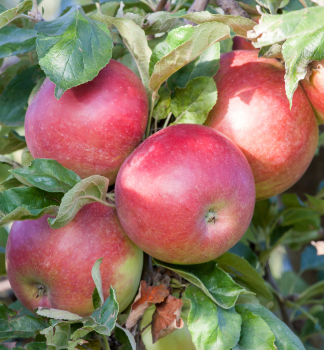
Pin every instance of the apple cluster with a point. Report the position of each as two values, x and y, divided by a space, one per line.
185 195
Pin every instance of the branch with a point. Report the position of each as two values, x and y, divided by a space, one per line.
161 5
231 7
273 283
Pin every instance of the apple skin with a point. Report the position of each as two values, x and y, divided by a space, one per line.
186 195
314 89
253 111
94 126
177 340
61 260
240 43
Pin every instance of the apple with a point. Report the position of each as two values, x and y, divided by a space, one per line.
52 268
186 195
93 127
314 88
253 111
178 340
240 43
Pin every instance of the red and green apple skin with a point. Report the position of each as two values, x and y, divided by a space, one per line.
177 340
93 127
253 111
52 268
314 89
186 195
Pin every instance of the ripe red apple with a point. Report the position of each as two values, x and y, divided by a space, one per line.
253 111
52 268
178 340
314 89
185 195
93 127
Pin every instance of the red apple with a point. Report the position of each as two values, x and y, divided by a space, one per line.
185 195
178 340
253 111
52 268
93 127
240 43
314 88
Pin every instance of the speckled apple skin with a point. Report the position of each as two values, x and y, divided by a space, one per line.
314 89
253 111
240 43
170 182
61 260
94 126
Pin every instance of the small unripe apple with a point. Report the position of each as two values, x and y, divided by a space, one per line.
253 110
178 340
314 88
94 126
186 195
52 268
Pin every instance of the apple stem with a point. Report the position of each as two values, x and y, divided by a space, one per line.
107 347
98 7
147 133
167 120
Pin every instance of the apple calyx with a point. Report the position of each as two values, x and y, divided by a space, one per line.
41 290
211 217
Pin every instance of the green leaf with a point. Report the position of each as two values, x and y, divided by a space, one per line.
48 175
16 325
271 51
14 99
135 40
72 49
238 24
102 320
255 332
285 338
3 237
290 283
211 326
310 260
57 338
206 65
96 276
274 29
89 190
10 182
11 143
130 337
245 252
11 14
10 72
316 289
163 106
161 22
298 52
15 41
243 271
192 104
213 281
272 5
183 45
36 346
27 203
58 314
2 9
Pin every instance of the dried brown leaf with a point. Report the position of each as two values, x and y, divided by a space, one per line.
166 318
144 299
